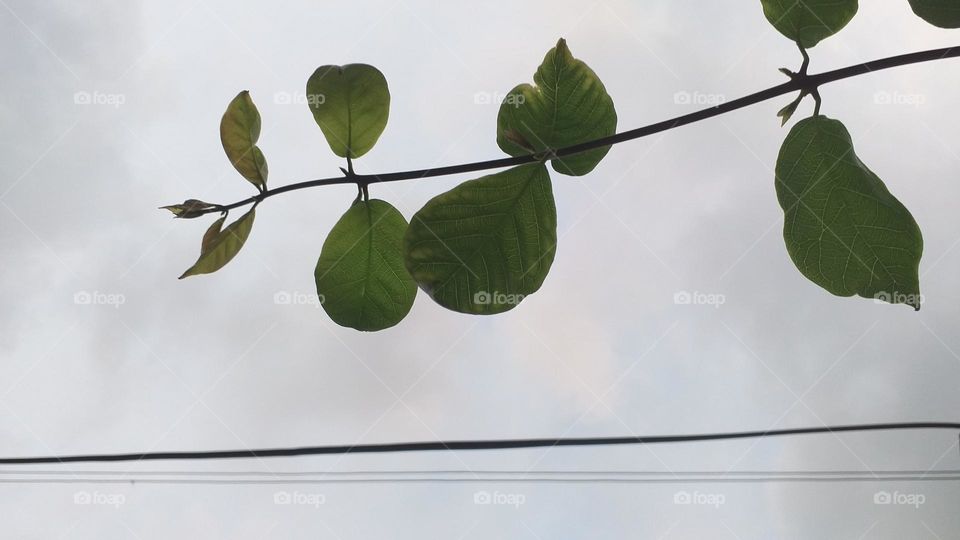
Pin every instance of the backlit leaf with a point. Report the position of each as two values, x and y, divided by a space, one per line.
350 104
808 22
842 227
942 13
239 132
486 244
189 209
220 246
360 275
567 105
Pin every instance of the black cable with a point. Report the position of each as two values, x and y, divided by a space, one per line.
497 444
481 472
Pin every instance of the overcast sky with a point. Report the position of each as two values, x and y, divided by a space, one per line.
211 362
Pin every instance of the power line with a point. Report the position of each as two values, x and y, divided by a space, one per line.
480 472
559 479
189 477
494 444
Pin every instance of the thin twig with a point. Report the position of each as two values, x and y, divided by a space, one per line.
799 82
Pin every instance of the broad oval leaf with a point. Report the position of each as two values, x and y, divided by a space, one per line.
350 104
483 246
842 227
567 105
808 22
942 13
239 132
220 246
360 275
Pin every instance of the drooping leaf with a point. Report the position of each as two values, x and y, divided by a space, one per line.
567 105
220 246
360 275
239 132
350 104
942 13
486 244
212 233
189 209
842 227
808 22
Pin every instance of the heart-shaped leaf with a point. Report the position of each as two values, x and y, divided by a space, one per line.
484 245
568 105
350 104
239 132
942 13
360 275
843 229
220 246
809 22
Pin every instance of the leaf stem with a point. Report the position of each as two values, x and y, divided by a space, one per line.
802 81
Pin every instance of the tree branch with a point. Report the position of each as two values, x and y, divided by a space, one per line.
799 82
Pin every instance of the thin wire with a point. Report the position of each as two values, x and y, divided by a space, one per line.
481 472
495 479
494 444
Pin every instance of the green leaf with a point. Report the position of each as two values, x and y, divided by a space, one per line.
486 244
942 13
189 209
220 246
808 22
567 106
360 275
350 104
239 132
843 229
